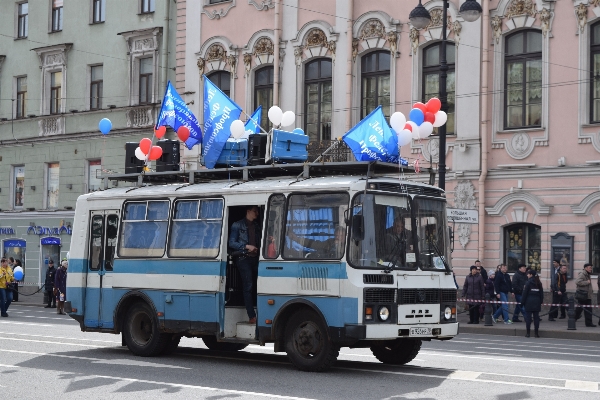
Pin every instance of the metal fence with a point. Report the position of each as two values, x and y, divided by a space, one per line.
338 153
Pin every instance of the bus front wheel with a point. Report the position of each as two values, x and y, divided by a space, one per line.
307 343
141 332
398 352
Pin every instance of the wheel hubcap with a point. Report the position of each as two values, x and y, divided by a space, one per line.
308 339
141 329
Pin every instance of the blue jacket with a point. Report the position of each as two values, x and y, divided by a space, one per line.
238 237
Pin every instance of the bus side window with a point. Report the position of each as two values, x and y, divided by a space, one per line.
196 228
144 232
112 227
275 214
97 229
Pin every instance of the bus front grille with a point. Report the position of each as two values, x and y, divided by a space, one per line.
419 296
378 279
380 296
448 296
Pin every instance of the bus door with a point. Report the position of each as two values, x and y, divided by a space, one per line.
103 240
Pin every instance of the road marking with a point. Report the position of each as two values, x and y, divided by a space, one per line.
551 352
22 323
61 337
512 338
581 385
59 318
454 355
470 342
464 375
55 342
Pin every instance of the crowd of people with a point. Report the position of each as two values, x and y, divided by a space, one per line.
528 292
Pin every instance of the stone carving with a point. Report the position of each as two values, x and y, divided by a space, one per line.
298 55
263 45
520 142
521 7
216 52
200 63
264 4
316 37
139 117
392 38
51 126
372 28
545 16
247 63
217 13
581 14
464 198
456 27
332 46
433 148
437 16
232 62
497 28
281 56
54 59
463 231
143 44
594 3
414 39
354 49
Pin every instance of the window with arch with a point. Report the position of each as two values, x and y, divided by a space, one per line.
431 78
263 93
523 80
595 248
595 73
375 82
318 99
523 245
222 79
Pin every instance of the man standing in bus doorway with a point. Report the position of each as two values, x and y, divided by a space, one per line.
60 287
245 237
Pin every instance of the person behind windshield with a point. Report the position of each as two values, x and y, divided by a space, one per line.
397 241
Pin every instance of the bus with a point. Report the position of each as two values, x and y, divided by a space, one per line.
350 256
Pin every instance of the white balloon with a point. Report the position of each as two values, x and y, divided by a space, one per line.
398 121
404 137
288 118
139 154
18 269
425 129
415 129
440 119
275 115
237 128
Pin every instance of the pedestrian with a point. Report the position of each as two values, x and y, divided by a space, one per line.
49 284
481 270
518 284
553 274
489 289
14 287
60 287
531 301
583 295
6 278
559 292
473 289
503 287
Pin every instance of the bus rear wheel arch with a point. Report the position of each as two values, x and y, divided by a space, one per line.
141 332
397 352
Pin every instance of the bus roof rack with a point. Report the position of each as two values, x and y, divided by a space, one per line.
255 172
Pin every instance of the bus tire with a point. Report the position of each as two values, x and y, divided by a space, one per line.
307 342
212 344
397 352
172 344
141 332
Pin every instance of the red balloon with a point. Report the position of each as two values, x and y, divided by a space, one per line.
155 153
183 133
433 105
145 145
408 126
420 106
160 132
429 117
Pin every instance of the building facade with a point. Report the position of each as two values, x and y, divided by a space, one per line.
68 65
523 135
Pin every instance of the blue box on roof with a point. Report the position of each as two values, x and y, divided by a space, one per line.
288 147
234 154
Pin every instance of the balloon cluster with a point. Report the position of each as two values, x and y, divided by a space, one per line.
280 118
147 152
423 118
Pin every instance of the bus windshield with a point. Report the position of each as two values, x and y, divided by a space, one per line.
403 233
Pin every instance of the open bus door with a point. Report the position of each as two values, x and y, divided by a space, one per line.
103 240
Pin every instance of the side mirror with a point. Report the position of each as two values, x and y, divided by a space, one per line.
358 228
451 236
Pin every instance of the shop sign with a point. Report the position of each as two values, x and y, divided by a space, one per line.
45 230
15 243
50 241
7 231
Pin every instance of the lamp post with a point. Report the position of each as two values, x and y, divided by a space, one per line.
419 17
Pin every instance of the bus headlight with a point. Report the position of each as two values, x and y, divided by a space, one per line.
448 313
384 313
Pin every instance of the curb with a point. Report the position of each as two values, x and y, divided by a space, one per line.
544 334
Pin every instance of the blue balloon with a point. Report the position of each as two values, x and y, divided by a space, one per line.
298 131
18 275
417 116
105 126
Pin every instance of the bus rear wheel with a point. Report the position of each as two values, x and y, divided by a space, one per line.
397 352
141 332
307 343
212 344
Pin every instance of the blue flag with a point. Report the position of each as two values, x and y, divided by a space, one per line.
373 139
175 113
219 112
253 124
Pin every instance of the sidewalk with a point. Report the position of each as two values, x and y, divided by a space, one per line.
36 299
548 329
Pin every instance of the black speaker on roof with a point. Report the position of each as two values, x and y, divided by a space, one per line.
132 164
257 149
169 161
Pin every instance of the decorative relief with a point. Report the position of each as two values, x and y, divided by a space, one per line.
264 4
54 59
263 45
216 52
247 63
217 13
581 12
392 38
437 16
143 44
456 28
298 50
201 64
594 3
232 62
51 126
497 28
373 28
521 7
545 16
139 117
433 148
414 39
464 198
354 49
331 46
316 37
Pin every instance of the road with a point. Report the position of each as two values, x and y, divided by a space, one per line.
45 355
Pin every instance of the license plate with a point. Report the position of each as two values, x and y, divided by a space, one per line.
420 331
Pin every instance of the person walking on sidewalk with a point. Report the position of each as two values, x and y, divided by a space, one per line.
6 278
503 287
559 292
473 289
584 284
553 274
49 285
60 287
532 299
518 284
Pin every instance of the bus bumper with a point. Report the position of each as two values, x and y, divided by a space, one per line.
386 332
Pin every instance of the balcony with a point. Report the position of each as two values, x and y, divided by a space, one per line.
140 117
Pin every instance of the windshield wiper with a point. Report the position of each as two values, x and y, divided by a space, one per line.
439 253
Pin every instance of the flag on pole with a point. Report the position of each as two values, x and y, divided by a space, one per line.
373 139
175 113
219 112
253 124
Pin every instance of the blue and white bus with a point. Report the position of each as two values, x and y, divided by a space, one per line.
151 262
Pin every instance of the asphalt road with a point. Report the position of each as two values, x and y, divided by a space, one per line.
45 355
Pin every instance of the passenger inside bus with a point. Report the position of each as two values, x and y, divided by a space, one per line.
321 248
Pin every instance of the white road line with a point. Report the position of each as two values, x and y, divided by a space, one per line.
56 342
61 337
22 323
587 348
551 352
511 339
454 355
582 385
58 318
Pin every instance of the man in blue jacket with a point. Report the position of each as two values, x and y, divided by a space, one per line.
503 287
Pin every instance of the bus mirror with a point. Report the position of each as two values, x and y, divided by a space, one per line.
451 236
358 228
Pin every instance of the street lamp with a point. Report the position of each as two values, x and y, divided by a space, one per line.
419 18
